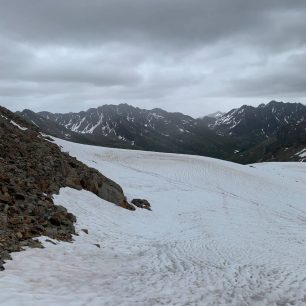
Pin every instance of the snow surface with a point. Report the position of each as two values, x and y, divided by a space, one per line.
302 153
17 125
219 234
14 123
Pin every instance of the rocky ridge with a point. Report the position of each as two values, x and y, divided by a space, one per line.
273 131
270 132
262 121
128 127
32 169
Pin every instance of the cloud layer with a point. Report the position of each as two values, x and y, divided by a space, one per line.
193 56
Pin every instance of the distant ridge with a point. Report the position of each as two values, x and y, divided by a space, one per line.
247 134
125 126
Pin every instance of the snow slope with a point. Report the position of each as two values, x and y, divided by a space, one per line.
219 234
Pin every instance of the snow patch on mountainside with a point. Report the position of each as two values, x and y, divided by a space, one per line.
219 234
302 153
17 125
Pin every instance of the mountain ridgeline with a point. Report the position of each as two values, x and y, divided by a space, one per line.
273 131
125 126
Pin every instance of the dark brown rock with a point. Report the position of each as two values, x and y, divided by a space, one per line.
50 241
141 203
128 206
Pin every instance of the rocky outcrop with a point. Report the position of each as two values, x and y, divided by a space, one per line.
32 169
142 203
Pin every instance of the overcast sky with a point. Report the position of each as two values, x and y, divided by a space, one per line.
192 56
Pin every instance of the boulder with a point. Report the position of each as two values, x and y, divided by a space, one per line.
142 203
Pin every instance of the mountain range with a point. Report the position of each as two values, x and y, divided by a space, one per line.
273 131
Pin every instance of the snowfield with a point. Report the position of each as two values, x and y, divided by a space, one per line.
219 234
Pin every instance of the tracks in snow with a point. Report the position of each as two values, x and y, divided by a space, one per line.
219 234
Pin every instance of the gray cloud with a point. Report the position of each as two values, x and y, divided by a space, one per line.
194 56
283 76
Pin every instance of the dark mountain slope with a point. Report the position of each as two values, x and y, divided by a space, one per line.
244 135
261 121
264 132
290 144
125 126
51 128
